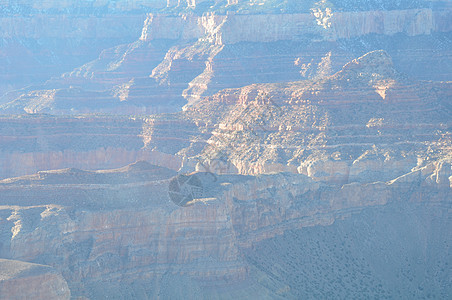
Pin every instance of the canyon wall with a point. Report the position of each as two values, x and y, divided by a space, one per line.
131 240
309 159
310 119
179 59
71 27
35 48
19 280
235 28
37 144
88 5
355 125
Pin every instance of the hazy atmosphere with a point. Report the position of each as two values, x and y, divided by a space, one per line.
225 149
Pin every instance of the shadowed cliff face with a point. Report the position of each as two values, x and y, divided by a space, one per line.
36 47
32 281
369 251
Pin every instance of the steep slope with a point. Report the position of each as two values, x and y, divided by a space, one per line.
362 145
19 280
36 47
297 161
323 262
129 239
180 59
367 120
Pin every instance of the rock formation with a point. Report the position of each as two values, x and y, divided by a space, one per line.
21 280
313 127
129 236
226 149
182 58
40 143
309 119
54 44
121 229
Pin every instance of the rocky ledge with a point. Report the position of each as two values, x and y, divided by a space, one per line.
110 238
179 59
21 280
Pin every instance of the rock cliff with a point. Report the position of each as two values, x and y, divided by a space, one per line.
130 237
55 43
21 280
277 27
365 119
226 149
40 143
181 58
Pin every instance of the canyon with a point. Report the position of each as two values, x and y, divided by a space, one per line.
131 239
182 58
225 149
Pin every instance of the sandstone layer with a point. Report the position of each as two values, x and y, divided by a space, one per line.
365 119
179 59
226 149
40 143
129 237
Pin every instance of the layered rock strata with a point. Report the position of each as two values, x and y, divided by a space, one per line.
136 237
21 280
316 176
365 119
180 59
36 47
40 143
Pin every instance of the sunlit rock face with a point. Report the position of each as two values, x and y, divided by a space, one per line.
367 122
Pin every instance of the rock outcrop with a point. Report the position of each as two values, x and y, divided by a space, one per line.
40 143
21 280
130 237
288 155
279 27
56 43
365 121
182 58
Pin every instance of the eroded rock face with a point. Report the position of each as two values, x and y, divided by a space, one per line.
134 236
32 144
54 44
297 137
21 280
366 121
278 27
180 59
